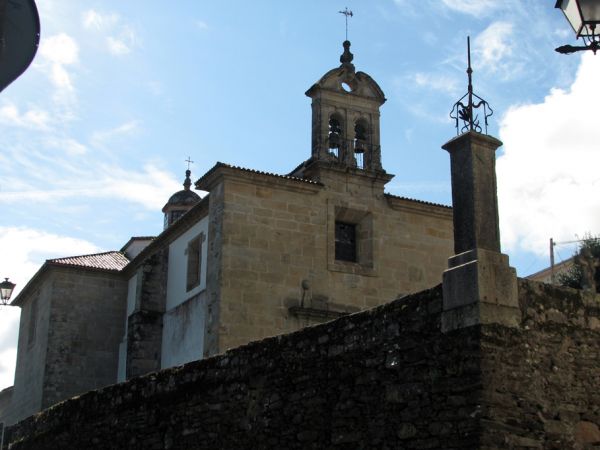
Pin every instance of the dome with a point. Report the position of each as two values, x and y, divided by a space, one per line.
184 197
180 202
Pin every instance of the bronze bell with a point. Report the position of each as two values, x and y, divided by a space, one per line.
334 140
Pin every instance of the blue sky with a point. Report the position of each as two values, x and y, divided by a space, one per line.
94 135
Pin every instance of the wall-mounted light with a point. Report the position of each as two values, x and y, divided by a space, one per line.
584 16
6 290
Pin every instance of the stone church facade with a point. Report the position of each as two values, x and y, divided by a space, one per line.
260 255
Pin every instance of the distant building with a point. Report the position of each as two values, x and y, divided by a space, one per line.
261 254
550 275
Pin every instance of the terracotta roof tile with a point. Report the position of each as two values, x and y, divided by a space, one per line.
104 261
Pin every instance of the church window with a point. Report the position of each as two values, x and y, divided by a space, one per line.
194 262
345 241
175 215
335 135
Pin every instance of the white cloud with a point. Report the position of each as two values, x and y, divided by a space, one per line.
98 21
149 188
69 146
99 138
32 118
478 8
494 45
60 77
123 43
57 52
117 47
60 49
436 82
122 38
8 357
548 176
25 249
200 24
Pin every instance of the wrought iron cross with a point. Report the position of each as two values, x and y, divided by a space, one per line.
466 113
189 161
347 13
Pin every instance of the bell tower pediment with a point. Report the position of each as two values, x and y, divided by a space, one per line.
344 81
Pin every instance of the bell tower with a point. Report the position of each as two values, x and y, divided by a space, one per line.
345 117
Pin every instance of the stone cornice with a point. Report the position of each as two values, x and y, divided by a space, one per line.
419 207
224 172
484 140
331 166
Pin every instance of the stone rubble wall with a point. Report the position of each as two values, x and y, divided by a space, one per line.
384 378
542 380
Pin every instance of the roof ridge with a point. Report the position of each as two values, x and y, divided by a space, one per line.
256 171
424 202
89 254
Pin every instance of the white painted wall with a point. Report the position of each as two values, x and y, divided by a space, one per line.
135 247
131 295
176 283
183 332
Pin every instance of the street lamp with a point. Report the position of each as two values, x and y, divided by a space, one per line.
583 15
6 290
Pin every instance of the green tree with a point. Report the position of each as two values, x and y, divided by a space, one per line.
585 271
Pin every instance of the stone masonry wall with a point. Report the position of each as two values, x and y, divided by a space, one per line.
5 399
541 381
27 393
87 316
276 234
384 378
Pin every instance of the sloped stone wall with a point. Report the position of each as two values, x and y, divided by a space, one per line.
385 378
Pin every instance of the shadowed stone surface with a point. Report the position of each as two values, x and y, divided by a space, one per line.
384 378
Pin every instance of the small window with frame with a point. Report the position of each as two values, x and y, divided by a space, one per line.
194 262
345 242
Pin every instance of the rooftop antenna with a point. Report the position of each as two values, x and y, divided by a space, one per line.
470 122
347 13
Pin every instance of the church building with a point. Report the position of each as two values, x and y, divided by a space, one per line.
261 254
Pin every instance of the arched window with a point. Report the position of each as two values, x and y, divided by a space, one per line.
335 135
361 141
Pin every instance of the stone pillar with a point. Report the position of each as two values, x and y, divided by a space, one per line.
145 324
479 285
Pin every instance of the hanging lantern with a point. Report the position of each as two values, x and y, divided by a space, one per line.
6 290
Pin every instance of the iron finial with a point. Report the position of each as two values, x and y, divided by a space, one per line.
189 161
187 183
465 113
347 13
